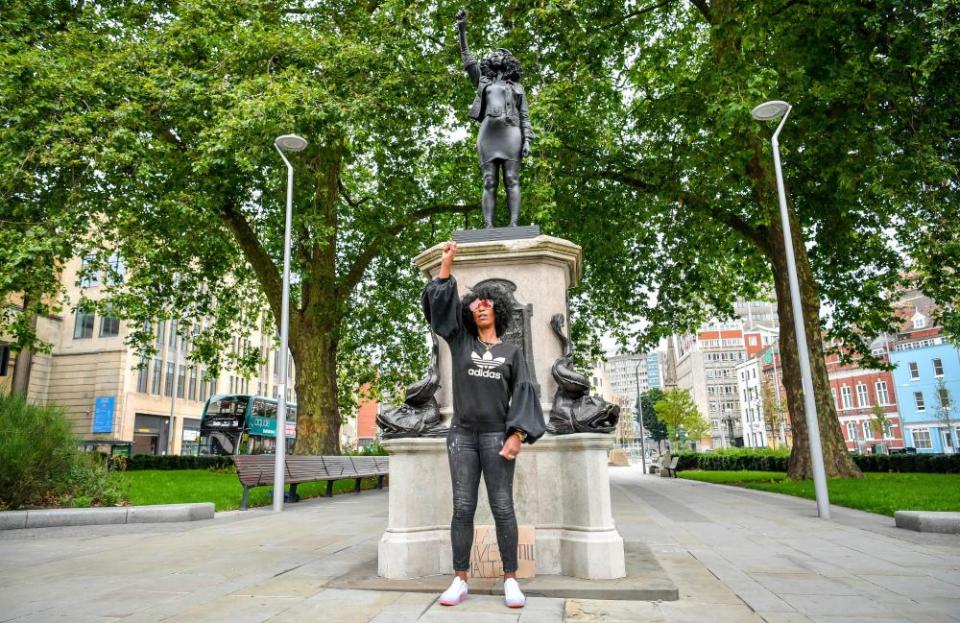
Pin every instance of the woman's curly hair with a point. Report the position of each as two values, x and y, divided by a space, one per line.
509 68
502 313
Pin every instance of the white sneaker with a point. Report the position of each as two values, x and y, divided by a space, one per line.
512 594
455 594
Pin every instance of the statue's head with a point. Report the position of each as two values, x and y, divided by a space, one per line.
501 61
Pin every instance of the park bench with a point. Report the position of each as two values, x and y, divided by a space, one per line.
257 471
666 469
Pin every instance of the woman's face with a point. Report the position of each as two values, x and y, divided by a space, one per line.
484 315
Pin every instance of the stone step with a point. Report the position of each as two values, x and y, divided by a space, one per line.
55 517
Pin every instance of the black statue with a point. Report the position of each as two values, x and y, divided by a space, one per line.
419 415
574 409
500 107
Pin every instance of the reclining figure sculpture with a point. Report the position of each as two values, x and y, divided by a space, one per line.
574 409
419 415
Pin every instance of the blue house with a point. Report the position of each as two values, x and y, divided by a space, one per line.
927 381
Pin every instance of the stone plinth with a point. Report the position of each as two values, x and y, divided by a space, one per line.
542 269
561 487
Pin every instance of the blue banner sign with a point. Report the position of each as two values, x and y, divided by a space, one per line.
103 414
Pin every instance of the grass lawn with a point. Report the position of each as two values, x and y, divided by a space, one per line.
223 489
877 493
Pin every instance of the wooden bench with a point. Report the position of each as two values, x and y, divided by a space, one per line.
666 469
258 470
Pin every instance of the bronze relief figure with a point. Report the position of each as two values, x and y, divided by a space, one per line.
500 107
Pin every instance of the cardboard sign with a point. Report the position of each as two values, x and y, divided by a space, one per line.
485 561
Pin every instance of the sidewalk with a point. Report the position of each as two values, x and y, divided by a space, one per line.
735 555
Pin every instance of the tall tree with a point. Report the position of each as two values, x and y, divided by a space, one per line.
169 111
680 415
648 415
664 151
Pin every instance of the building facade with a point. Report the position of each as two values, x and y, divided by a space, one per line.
110 394
860 395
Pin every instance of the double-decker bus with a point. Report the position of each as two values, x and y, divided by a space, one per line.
242 424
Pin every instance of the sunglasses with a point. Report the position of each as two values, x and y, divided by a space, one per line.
481 304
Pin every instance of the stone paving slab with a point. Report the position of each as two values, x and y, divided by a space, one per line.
736 557
645 581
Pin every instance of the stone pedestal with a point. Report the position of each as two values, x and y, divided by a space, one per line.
561 485
561 488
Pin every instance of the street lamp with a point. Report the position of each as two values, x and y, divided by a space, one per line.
643 445
769 111
285 143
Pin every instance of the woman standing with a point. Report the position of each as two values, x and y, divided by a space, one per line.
500 107
495 410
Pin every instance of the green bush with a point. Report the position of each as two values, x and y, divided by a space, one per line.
173 461
40 464
759 459
372 450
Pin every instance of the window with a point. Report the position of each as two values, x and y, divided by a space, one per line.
847 396
938 367
944 395
168 386
921 439
203 388
914 370
109 326
919 322
143 375
193 384
84 326
114 273
888 431
918 398
160 328
883 397
155 383
862 399
88 272
181 381
173 334
852 431
213 387
835 402
867 430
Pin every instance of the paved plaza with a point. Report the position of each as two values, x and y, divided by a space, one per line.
734 555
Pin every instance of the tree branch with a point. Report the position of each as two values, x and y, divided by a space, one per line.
704 9
360 265
632 14
346 195
267 273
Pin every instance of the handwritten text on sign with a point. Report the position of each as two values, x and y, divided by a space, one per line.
485 561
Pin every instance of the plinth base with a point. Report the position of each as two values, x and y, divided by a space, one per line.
561 487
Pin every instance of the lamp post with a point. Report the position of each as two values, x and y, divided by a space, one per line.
768 111
286 143
643 445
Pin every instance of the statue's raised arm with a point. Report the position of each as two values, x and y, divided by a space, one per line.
469 62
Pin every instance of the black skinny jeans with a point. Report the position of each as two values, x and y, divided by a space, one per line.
471 453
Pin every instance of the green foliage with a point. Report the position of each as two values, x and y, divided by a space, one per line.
875 493
735 459
679 414
178 462
372 450
223 489
776 460
40 464
651 423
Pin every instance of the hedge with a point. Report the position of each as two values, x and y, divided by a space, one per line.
776 461
149 461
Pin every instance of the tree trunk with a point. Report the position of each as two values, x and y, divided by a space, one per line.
836 458
314 351
20 384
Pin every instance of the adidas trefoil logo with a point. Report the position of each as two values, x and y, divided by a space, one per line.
487 365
